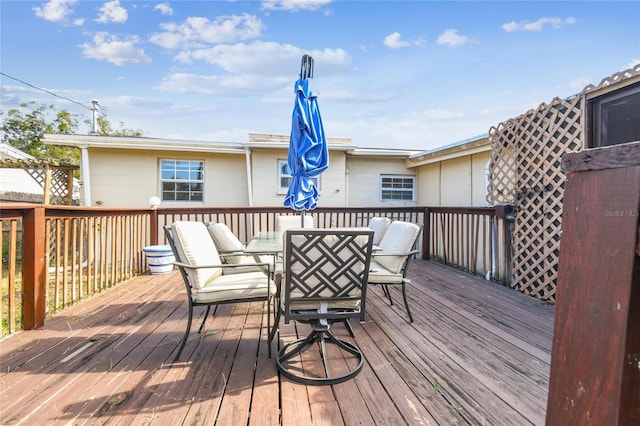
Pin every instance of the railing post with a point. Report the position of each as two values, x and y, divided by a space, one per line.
507 214
34 268
153 225
426 235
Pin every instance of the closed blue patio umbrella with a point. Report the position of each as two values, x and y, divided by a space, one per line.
308 152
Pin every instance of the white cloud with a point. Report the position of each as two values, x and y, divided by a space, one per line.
268 58
112 12
238 85
164 8
197 31
394 41
55 10
259 67
555 23
294 5
109 48
452 38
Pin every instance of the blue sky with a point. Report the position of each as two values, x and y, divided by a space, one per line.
389 74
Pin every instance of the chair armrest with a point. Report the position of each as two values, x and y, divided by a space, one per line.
382 253
231 252
224 266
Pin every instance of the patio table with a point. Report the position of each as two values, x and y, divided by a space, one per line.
266 242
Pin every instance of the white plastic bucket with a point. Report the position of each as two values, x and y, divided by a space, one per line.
159 259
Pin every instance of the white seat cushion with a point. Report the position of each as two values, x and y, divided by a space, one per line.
196 248
398 239
235 286
380 275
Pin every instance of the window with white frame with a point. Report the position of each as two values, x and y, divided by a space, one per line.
284 177
182 180
397 188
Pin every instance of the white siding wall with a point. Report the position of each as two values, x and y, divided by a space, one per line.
127 178
458 182
429 185
364 180
266 191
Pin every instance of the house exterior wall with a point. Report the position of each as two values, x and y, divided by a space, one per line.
457 182
138 177
266 188
429 185
363 180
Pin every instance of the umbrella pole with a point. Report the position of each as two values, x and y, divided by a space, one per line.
302 219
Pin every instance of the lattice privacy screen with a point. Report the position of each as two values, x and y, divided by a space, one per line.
55 180
524 170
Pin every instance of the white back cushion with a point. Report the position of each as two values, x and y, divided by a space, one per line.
225 240
379 226
292 222
399 239
195 247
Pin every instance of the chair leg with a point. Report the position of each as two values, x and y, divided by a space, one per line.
387 293
269 326
349 328
206 314
406 301
186 333
322 336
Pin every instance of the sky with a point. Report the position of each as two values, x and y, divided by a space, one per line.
388 74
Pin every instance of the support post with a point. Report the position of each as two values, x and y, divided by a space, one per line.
34 268
595 360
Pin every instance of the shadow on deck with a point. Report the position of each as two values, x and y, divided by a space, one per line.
478 353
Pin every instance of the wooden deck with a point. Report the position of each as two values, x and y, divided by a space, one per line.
478 353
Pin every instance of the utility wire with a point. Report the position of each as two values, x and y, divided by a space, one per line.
46 91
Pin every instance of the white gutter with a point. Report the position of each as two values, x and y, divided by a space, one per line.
247 153
85 176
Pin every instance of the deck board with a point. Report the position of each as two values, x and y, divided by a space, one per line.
477 353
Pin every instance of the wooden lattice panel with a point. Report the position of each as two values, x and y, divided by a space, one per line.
60 177
524 170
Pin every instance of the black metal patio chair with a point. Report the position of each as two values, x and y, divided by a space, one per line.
325 281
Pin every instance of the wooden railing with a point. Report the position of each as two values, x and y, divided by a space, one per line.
55 256
475 240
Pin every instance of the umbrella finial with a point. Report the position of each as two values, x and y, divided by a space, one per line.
306 68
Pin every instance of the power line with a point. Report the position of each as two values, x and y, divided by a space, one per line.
46 91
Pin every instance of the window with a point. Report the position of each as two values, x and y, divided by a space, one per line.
614 118
284 177
394 188
182 180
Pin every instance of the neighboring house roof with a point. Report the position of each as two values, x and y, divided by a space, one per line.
16 181
8 152
256 140
116 142
265 140
463 148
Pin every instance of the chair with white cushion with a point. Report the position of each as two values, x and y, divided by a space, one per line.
391 260
231 250
293 221
206 278
379 225
325 281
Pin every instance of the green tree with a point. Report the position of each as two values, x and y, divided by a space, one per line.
24 128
